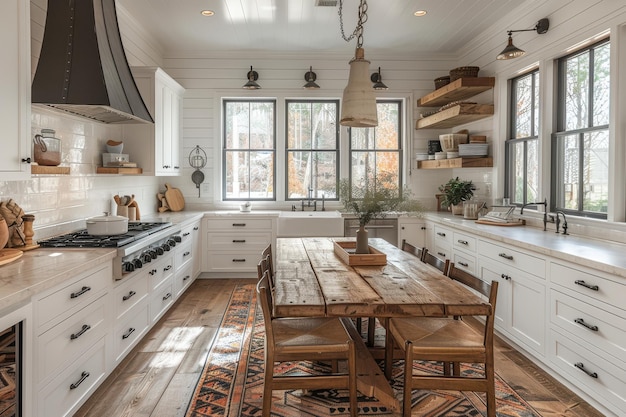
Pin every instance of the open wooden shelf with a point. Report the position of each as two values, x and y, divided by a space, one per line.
454 116
48 170
116 170
456 163
459 89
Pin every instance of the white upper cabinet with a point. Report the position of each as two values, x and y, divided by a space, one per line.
156 147
15 89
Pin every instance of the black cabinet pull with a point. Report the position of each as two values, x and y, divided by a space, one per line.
81 292
239 225
83 376
195 228
167 268
441 234
505 277
26 160
186 278
239 240
128 333
186 254
80 332
441 254
465 264
505 256
423 227
463 242
168 295
239 260
186 234
581 366
589 326
584 284
127 297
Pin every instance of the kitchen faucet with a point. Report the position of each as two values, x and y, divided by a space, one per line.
558 222
309 199
543 203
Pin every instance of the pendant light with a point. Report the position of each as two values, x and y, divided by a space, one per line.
358 107
511 51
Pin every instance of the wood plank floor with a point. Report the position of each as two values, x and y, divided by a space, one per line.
158 377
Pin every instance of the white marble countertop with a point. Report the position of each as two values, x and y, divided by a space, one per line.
599 254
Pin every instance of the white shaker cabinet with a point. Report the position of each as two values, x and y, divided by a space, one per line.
413 230
155 148
15 89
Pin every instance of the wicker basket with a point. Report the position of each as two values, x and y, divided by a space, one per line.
462 72
441 81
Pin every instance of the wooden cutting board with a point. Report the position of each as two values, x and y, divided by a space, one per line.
175 199
9 255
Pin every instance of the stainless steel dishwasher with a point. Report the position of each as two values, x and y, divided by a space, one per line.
383 228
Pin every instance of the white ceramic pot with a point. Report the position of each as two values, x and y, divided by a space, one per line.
107 225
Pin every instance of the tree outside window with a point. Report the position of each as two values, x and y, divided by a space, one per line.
522 146
249 150
581 144
376 152
312 152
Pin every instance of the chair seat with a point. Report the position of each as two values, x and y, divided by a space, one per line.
310 335
440 337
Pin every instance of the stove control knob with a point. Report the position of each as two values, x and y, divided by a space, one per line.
166 247
137 262
128 267
178 238
145 257
153 253
171 242
159 250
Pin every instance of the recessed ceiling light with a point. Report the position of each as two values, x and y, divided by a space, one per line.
420 13
207 12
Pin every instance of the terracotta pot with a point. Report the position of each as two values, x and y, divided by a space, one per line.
4 232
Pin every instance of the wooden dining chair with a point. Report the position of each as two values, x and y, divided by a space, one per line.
448 341
438 263
418 252
300 339
267 264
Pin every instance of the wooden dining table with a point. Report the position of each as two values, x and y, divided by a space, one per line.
311 280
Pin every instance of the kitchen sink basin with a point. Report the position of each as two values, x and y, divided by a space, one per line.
310 224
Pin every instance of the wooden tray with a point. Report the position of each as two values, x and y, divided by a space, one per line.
345 251
9 255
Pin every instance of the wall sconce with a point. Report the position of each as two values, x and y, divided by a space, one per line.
378 81
511 51
310 78
252 77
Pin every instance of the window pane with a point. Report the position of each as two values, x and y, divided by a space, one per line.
519 172
315 170
324 126
237 180
299 125
236 125
261 125
577 92
388 129
568 189
261 175
595 171
535 130
524 107
601 87
532 170
362 138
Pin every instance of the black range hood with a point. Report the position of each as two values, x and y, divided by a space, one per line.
82 67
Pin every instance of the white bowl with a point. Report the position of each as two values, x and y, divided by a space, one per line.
440 155
452 155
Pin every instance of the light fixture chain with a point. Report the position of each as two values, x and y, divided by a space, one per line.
358 30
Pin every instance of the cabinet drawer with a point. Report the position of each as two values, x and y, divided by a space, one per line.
593 325
73 296
126 334
68 339
583 281
607 382
160 271
465 262
442 252
183 254
240 241
188 232
443 236
464 242
234 262
183 279
512 257
239 224
161 300
63 397
130 293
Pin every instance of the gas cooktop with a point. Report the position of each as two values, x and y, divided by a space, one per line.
82 239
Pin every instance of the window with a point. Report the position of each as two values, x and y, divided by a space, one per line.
581 144
312 149
522 146
249 150
376 152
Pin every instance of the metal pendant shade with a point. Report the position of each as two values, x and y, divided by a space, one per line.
252 77
511 51
359 101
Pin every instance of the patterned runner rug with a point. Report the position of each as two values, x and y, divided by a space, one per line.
231 383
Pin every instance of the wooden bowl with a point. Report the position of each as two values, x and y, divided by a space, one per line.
4 232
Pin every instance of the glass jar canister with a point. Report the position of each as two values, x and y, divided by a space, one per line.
470 210
47 148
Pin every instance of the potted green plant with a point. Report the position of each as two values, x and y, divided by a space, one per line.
455 192
372 202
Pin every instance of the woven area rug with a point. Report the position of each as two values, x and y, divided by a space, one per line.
231 383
